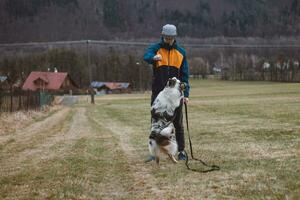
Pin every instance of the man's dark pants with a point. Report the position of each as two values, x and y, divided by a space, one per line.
178 124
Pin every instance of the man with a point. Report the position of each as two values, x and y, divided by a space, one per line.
169 60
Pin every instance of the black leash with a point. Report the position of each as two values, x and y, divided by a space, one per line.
211 167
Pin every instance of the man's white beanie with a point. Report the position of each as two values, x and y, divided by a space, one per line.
169 30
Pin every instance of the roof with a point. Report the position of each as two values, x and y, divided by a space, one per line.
54 80
110 85
44 79
96 84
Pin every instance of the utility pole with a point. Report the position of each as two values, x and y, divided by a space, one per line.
88 60
140 76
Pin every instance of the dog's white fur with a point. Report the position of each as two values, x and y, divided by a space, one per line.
165 104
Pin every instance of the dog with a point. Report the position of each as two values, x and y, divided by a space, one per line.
162 135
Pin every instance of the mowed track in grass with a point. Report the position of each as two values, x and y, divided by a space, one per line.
250 129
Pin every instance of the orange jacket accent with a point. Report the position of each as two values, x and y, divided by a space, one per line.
172 58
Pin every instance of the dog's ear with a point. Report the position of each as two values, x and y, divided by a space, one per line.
171 82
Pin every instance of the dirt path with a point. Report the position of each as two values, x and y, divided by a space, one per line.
31 143
145 183
35 128
55 136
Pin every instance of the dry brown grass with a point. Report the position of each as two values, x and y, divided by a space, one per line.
97 151
11 122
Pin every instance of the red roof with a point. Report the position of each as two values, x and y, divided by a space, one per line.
43 79
53 80
113 85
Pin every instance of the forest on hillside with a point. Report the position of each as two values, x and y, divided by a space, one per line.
53 20
238 22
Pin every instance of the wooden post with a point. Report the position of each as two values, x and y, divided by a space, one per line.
92 95
20 102
11 98
27 103
89 59
0 100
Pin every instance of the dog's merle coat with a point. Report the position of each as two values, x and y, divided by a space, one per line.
162 136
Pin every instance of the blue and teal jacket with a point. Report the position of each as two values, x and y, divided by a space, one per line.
173 64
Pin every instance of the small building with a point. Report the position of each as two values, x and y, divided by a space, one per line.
7 84
111 87
4 85
49 81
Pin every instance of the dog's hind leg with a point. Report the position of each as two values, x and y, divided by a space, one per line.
157 160
157 153
173 158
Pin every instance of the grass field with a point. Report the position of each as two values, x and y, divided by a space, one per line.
250 129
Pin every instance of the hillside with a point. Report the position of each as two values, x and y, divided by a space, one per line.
53 20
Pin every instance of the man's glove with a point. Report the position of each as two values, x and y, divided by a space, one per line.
157 57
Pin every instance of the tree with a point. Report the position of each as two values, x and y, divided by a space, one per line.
111 13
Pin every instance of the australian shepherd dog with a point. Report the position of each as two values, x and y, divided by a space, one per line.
162 137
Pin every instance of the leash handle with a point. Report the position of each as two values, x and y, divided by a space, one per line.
212 167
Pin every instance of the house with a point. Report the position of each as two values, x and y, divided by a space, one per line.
7 84
50 81
111 87
4 85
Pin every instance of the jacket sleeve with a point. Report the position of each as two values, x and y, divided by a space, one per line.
150 53
185 76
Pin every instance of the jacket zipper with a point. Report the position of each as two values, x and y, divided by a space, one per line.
168 63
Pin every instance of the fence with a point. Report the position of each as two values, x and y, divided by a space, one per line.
15 100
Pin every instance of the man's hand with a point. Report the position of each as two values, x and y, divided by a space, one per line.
157 57
185 100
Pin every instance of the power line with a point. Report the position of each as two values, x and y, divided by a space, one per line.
131 43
